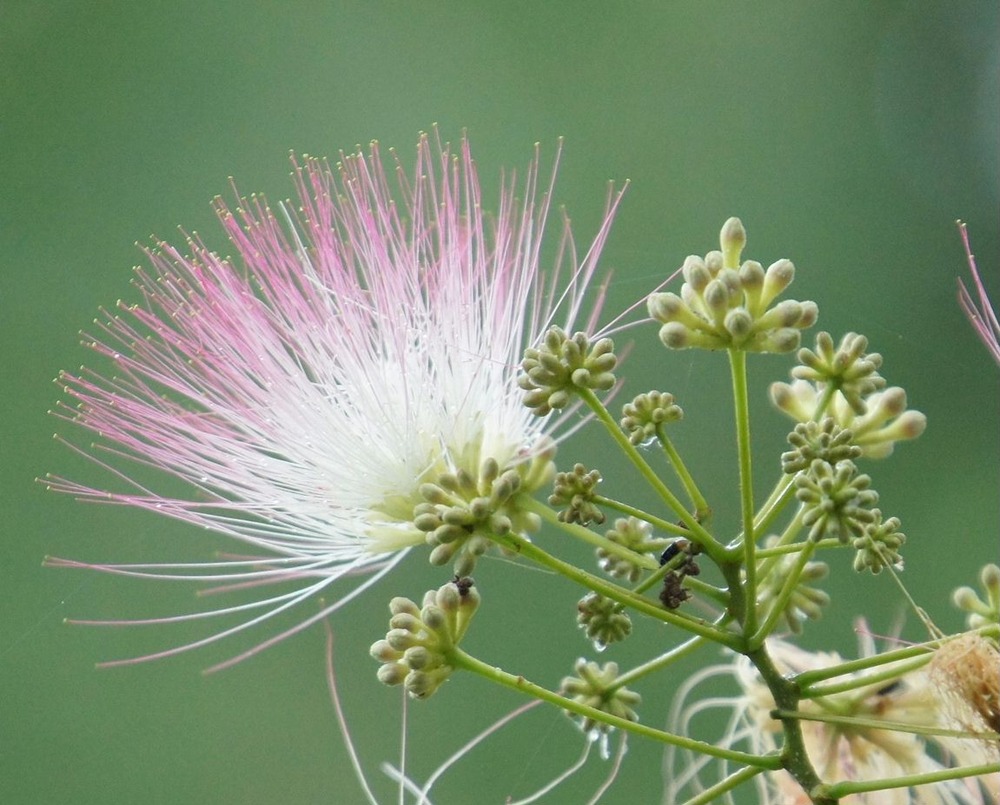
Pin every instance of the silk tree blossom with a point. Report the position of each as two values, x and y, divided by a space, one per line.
352 349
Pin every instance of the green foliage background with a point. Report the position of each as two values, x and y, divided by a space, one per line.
848 136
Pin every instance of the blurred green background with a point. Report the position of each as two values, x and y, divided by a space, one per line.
848 136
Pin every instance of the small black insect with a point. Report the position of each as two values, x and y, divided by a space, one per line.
673 549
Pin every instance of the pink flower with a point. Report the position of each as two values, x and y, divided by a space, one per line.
303 390
983 318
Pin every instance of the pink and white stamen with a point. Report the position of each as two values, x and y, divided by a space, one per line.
303 389
979 310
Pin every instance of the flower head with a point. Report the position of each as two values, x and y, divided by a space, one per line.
352 350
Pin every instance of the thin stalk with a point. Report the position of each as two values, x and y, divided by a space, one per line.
661 662
783 492
898 669
639 514
728 784
856 723
702 510
718 595
741 404
586 535
622 595
789 585
842 789
459 659
795 547
787 537
698 531
807 679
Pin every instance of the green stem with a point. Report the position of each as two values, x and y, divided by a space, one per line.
788 587
586 535
702 510
459 659
843 789
639 514
622 595
782 493
807 679
658 663
795 547
854 723
741 404
787 537
728 784
707 590
698 532
795 758
898 669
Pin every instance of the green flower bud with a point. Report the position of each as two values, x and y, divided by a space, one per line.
595 687
554 372
575 490
724 305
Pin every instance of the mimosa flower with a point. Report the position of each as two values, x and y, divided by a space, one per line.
352 350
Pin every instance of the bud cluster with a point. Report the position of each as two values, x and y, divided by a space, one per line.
596 687
824 441
725 305
806 601
847 368
605 621
860 402
575 490
631 533
981 611
461 514
415 650
879 546
646 413
836 500
562 365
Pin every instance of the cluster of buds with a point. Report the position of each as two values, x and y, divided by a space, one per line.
605 621
726 305
879 546
844 384
824 441
631 533
555 371
415 650
836 500
983 611
805 601
597 687
642 417
461 514
575 491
